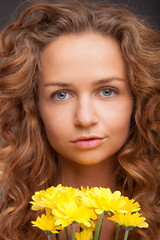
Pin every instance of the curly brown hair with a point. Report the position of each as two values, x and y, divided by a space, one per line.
26 158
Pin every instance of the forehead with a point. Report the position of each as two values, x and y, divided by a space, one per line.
85 54
84 42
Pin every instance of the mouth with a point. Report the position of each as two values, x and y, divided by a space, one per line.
87 142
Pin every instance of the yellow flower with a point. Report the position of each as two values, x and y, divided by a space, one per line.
86 234
92 227
70 211
38 203
46 223
129 220
52 196
102 199
129 206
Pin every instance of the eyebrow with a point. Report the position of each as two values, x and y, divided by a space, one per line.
98 82
60 84
107 80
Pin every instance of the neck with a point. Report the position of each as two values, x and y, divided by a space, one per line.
77 175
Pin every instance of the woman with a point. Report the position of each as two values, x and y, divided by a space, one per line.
79 106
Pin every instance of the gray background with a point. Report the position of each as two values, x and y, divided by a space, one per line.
148 8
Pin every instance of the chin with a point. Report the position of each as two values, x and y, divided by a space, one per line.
89 162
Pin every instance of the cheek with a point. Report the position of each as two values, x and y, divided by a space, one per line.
56 126
118 118
55 133
123 123
53 126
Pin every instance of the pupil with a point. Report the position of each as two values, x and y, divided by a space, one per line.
62 95
107 92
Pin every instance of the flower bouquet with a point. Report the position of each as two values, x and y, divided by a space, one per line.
64 206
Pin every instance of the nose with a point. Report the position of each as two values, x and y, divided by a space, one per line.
85 114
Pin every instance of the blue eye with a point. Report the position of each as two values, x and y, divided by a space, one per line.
107 92
60 95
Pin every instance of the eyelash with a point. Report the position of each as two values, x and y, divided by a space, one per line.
54 95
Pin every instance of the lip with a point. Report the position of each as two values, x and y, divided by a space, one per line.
87 142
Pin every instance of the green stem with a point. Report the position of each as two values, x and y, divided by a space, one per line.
57 236
117 232
99 227
49 236
66 232
73 230
126 234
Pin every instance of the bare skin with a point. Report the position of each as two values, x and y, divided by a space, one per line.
85 104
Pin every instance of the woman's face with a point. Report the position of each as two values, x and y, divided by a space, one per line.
84 98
